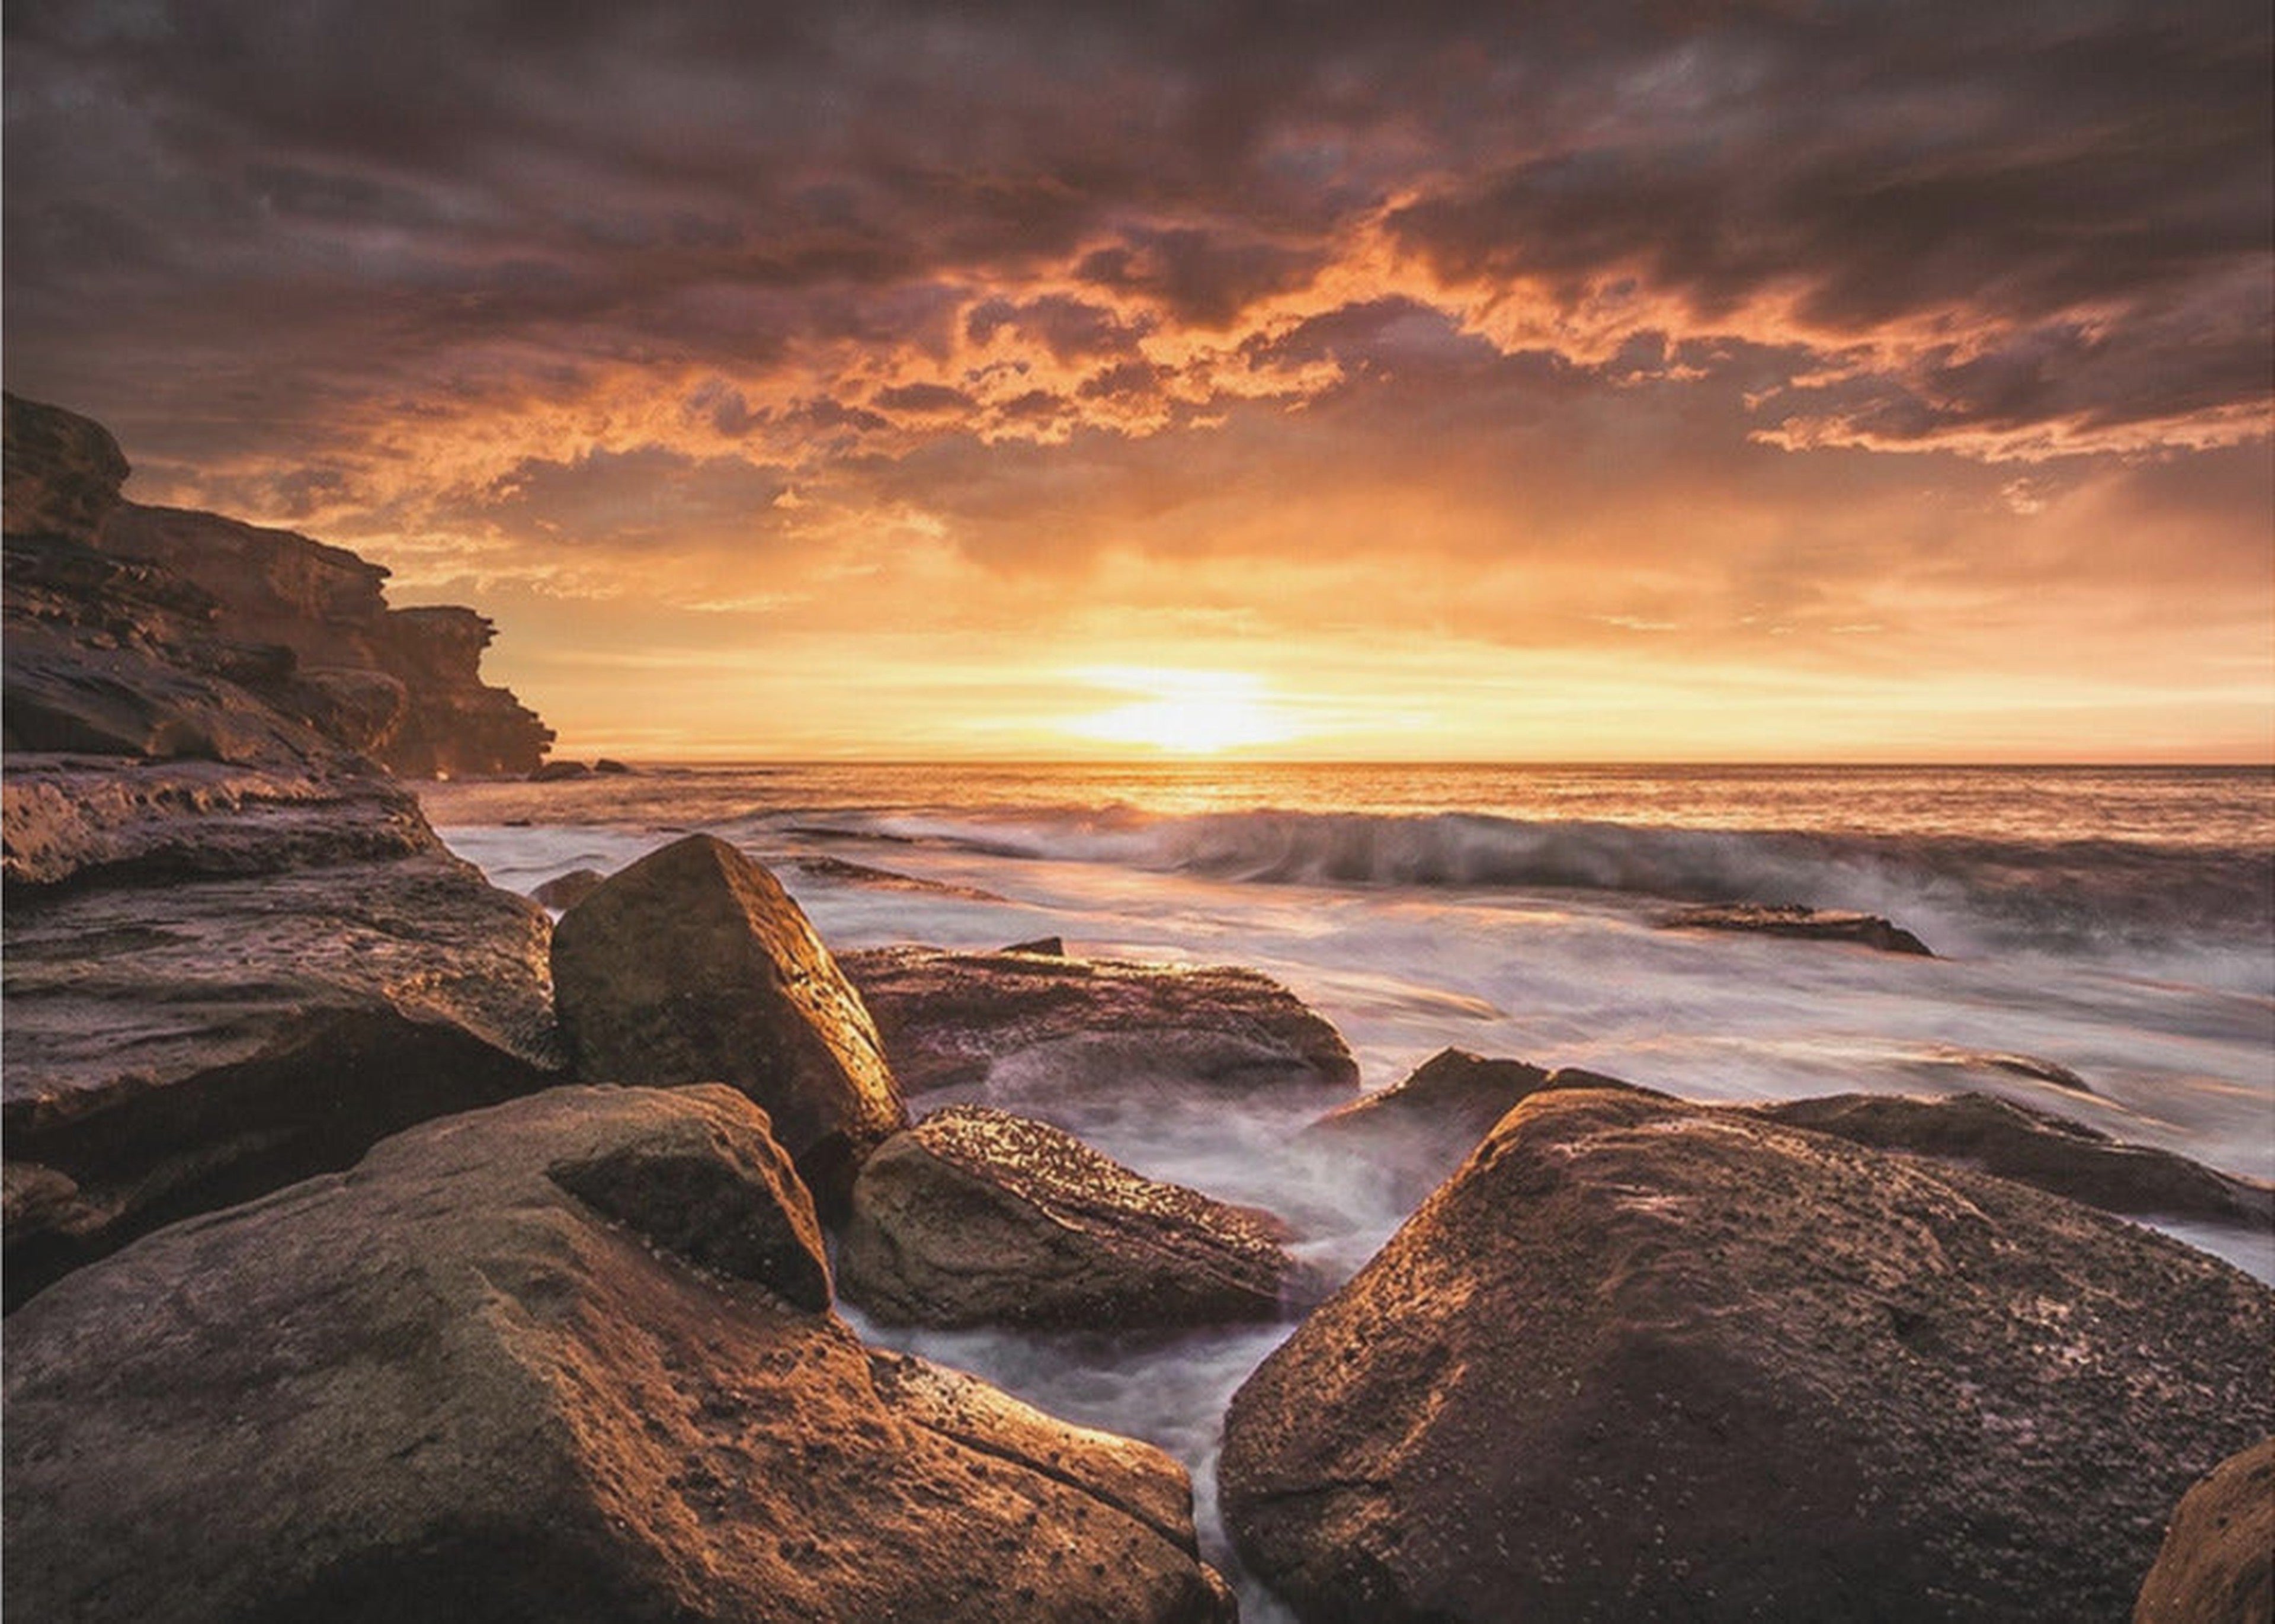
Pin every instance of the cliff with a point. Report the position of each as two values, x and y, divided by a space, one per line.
302 627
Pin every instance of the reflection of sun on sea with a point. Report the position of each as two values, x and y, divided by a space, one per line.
1188 713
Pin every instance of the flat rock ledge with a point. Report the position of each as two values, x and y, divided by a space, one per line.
1019 1019
1865 930
974 1217
1640 1359
559 1359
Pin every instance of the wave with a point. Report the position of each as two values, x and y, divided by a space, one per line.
2063 896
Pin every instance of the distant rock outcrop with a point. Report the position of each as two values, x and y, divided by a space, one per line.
1642 1359
1865 930
302 625
973 1217
568 1359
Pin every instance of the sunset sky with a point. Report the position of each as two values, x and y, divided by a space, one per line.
1568 382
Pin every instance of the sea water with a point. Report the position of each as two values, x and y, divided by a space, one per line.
2113 929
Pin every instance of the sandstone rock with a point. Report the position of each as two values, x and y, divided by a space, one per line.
301 627
64 471
444 1386
2038 1147
67 820
692 965
956 1018
1790 919
172 1049
556 772
1644 1360
2217 1564
973 1217
1044 947
565 891
611 767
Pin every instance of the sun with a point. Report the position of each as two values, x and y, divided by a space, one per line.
1181 712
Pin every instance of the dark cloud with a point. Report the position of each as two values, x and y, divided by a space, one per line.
242 225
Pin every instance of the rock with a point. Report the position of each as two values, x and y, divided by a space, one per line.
1418 1130
840 872
558 771
958 1018
445 1386
692 965
402 684
1790 919
173 1048
1045 947
611 767
2217 1564
1644 1360
973 1217
64 471
69 820
2039 1148
563 892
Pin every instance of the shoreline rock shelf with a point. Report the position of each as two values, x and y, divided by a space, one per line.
974 1217
959 1019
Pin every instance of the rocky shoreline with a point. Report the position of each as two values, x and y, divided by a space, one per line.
378 1248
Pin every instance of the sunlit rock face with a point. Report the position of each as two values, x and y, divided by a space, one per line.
1642 1359
974 1217
569 1358
693 965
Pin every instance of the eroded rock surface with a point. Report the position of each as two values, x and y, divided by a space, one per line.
101 589
171 1048
2217 1564
446 1386
693 965
950 1019
973 1217
1640 1359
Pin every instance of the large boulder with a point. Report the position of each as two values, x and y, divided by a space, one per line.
693 965
2040 1148
973 1217
170 1048
2217 1564
1639 1359
562 1359
951 1019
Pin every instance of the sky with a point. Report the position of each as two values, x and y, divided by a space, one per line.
1796 380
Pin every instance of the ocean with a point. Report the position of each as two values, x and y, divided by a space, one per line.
2114 927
